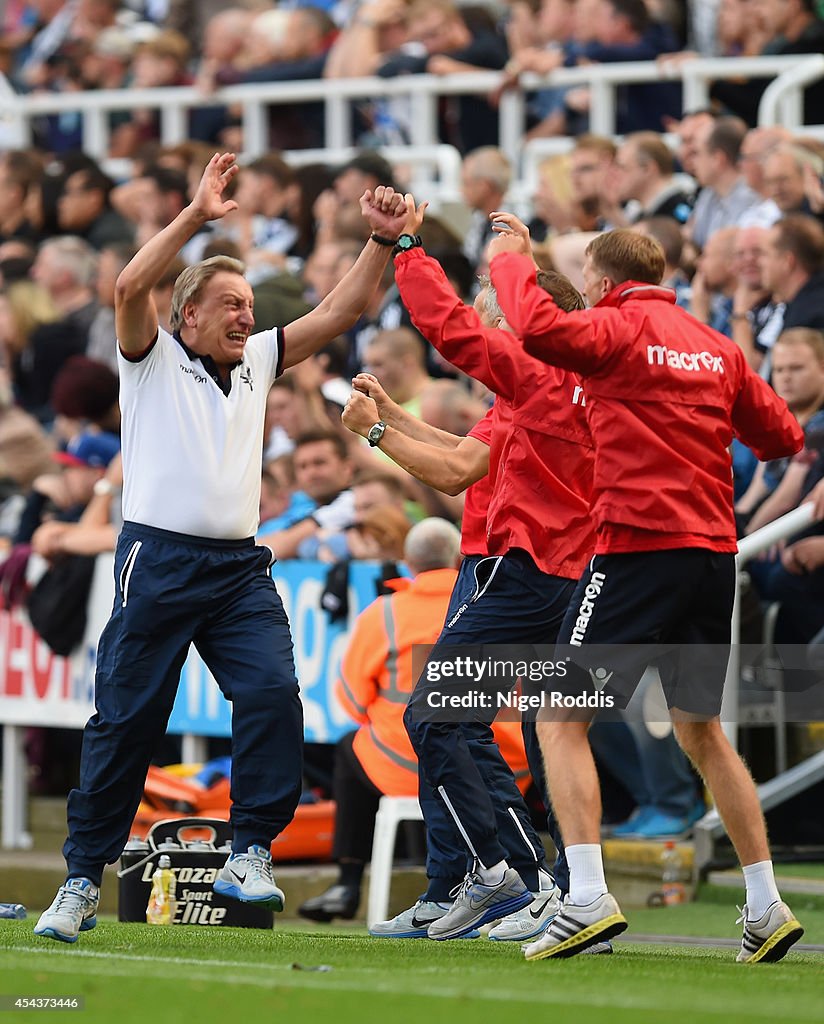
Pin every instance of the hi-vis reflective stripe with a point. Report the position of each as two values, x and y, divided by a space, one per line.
392 693
393 755
360 708
126 571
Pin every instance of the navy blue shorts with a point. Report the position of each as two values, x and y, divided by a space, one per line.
669 608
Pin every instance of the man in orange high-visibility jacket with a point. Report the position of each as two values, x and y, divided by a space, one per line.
376 679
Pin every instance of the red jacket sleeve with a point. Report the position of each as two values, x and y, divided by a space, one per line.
455 329
762 421
580 341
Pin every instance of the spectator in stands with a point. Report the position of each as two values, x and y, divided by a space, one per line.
798 377
757 145
486 175
646 180
265 233
624 31
792 265
225 40
102 345
159 61
454 39
19 172
24 306
323 471
756 317
714 282
85 392
66 268
64 495
25 448
98 526
324 267
666 231
792 26
107 62
397 358
366 169
193 18
690 130
592 172
153 199
725 197
84 209
785 171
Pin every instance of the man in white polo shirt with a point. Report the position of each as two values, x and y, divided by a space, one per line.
187 569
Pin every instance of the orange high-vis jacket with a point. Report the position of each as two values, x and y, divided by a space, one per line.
376 680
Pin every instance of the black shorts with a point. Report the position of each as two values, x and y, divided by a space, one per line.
668 608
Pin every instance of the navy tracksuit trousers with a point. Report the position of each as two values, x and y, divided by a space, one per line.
466 787
171 591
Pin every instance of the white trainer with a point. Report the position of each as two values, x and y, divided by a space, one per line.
574 928
532 921
770 937
248 877
73 910
414 922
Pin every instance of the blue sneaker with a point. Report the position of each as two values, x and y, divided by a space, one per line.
697 812
248 877
629 828
658 825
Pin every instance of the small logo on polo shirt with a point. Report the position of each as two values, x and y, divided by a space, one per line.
199 378
246 376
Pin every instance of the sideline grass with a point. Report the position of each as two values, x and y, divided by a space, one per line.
138 973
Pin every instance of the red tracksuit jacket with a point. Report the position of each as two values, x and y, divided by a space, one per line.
665 396
541 456
478 495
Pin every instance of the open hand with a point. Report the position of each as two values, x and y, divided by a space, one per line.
208 201
506 241
504 223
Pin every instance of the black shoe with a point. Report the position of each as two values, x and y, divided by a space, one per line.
337 901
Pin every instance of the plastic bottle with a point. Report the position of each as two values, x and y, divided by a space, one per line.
12 911
673 889
162 903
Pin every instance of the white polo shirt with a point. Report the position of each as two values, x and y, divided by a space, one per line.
192 454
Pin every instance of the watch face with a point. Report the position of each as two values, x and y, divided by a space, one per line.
406 242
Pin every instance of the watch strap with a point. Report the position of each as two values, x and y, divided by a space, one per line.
381 240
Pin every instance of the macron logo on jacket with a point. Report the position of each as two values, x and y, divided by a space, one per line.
657 355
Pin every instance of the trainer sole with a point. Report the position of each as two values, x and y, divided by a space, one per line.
606 928
778 944
492 914
275 902
52 933
417 934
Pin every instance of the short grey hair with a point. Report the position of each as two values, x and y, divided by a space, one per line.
191 282
492 307
432 544
74 256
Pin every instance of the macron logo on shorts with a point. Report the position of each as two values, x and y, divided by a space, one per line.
657 355
591 593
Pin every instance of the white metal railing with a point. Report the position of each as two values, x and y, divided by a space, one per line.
422 92
748 548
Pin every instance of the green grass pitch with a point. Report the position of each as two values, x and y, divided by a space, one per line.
134 972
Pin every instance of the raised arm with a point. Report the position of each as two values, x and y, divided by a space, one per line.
448 470
396 416
385 212
135 312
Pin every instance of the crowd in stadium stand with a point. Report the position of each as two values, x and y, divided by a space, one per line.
738 209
